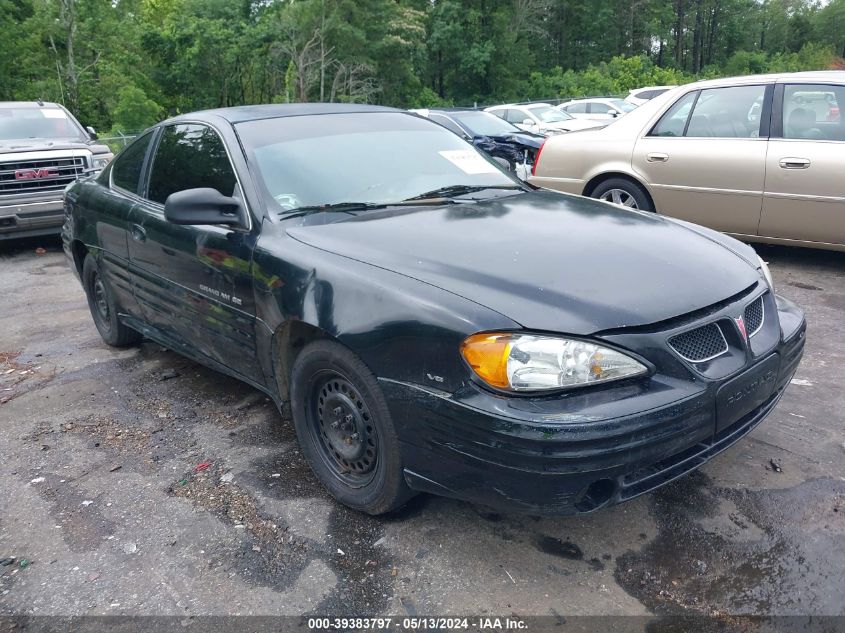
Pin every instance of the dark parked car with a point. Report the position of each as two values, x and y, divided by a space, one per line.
490 134
435 324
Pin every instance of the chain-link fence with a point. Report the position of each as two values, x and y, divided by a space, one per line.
119 140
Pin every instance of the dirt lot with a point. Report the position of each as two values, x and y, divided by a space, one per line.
137 482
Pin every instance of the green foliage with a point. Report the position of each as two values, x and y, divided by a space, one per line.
615 77
134 110
123 64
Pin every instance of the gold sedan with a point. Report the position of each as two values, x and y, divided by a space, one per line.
759 157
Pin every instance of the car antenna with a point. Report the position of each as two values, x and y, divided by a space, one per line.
39 101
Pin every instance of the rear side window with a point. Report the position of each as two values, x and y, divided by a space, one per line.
577 108
188 157
516 116
813 112
126 169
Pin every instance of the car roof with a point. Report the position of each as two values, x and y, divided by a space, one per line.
634 91
455 110
585 99
519 105
813 76
240 114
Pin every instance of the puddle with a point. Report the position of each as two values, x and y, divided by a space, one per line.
741 551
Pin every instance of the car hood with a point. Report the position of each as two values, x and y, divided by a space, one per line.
524 138
40 144
546 260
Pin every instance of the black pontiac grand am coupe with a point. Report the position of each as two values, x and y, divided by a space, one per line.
435 324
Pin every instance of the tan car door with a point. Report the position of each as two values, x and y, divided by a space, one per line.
804 197
704 160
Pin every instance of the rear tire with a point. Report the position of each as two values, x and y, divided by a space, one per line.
103 308
624 192
345 429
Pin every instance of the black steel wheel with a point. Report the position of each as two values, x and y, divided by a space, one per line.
103 308
345 428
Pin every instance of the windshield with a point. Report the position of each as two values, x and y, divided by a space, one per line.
373 158
484 123
548 114
21 122
622 105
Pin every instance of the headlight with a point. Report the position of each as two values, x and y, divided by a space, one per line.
528 362
99 162
766 273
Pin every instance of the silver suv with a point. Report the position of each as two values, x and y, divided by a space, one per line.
43 148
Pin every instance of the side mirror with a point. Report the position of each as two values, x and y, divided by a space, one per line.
613 113
204 206
91 133
529 122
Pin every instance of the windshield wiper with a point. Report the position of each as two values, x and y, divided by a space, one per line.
336 207
460 190
343 207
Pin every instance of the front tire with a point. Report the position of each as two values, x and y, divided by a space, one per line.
103 307
623 192
345 429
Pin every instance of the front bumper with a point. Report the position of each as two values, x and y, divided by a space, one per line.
31 217
579 452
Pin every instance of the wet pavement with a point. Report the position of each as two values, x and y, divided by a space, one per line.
137 482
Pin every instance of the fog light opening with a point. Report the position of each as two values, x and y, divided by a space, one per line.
596 495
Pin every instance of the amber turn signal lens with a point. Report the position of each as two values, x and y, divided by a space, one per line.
487 354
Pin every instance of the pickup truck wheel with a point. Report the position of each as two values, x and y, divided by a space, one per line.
103 308
345 429
624 193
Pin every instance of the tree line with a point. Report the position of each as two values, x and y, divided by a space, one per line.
123 64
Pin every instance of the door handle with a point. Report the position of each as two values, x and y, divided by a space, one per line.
657 157
794 163
138 233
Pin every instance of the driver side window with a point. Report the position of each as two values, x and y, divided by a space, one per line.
190 156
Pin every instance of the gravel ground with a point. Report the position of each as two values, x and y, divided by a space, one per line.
136 482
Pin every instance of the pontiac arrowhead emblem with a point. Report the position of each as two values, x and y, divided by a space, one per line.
740 324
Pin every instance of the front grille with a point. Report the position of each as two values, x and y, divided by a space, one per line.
754 316
34 176
701 344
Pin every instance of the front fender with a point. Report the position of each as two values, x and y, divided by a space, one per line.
401 328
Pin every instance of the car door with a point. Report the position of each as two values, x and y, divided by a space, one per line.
704 160
804 198
195 282
109 209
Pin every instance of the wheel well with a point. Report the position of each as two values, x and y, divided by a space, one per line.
287 343
79 252
597 180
